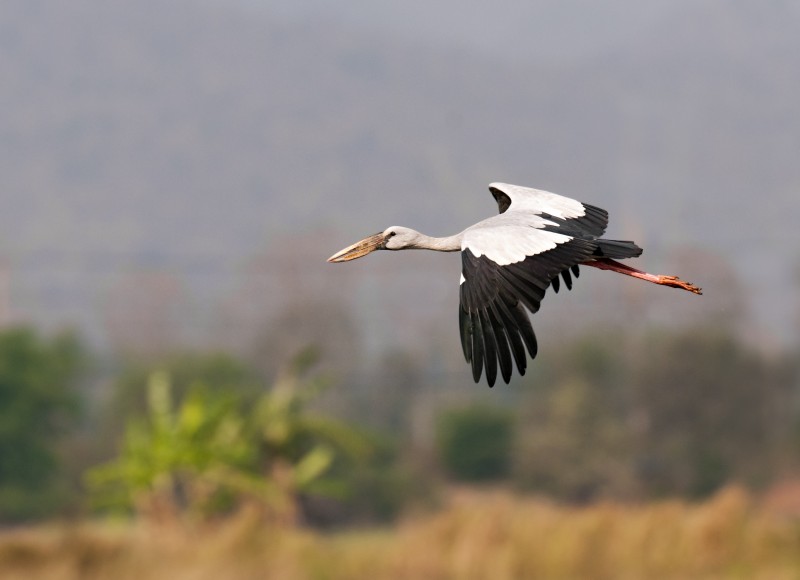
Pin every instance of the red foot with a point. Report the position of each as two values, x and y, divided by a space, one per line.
672 281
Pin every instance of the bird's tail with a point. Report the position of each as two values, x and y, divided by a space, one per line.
617 249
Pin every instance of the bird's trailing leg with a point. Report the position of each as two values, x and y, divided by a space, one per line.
614 266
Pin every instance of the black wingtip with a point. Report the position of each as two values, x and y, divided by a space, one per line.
466 333
489 348
567 279
477 347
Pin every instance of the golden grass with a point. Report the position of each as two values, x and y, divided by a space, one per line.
478 535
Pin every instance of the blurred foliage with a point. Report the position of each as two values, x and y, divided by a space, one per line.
386 402
574 443
378 487
216 451
189 458
217 371
711 411
297 444
670 414
38 405
127 390
613 415
572 446
475 442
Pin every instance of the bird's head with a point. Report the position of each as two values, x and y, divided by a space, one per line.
393 238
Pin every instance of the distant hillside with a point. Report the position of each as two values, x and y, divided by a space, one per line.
187 136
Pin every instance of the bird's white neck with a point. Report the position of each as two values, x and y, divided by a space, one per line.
445 244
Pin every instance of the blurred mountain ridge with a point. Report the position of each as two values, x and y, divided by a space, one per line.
189 136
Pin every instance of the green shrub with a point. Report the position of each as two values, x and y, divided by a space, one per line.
38 404
475 442
210 453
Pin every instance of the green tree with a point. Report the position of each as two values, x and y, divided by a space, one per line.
175 460
219 450
572 446
38 404
187 371
713 411
475 442
217 371
574 441
375 488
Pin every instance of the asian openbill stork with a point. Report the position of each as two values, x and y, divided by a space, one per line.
507 263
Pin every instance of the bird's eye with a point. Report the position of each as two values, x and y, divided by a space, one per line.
392 234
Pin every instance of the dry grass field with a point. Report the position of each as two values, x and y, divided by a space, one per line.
478 534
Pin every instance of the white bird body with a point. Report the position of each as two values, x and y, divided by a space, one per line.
507 239
508 262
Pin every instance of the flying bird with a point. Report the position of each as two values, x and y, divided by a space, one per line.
507 263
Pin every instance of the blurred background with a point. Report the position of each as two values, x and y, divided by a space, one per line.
174 174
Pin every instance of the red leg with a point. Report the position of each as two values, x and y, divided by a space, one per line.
673 281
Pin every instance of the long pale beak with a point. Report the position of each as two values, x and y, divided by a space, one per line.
359 249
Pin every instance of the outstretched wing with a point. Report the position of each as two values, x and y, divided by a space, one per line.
508 261
581 218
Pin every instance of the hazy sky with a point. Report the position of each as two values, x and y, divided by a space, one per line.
546 31
171 135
